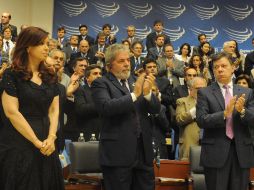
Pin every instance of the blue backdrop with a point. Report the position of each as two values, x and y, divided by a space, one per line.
183 20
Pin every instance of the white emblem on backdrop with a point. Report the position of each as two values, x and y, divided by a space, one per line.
205 13
70 30
238 13
138 11
210 34
72 9
106 10
238 35
177 50
172 12
97 29
174 34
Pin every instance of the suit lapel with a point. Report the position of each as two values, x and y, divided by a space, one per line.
236 91
116 83
218 94
131 83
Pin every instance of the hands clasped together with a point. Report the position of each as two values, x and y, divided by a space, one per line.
47 147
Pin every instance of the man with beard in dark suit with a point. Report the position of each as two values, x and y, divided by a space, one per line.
225 111
125 149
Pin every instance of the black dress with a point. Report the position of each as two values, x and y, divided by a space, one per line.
22 166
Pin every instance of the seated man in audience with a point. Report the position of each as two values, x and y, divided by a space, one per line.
158 28
5 22
157 51
189 133
98 50
136 60
183 90
83 30
109 38
131 34
62 40
53 44
150 67
71 47
201 38
79 67
84 52
169 66
230 48
88 120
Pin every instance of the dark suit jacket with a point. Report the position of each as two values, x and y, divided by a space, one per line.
150 40
133 63
88 38
210 117
121 117
153 53
68 51
249 63
89 56
165 90
88 120
94 49
180 91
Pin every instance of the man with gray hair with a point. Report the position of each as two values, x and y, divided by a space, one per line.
126 154
186 118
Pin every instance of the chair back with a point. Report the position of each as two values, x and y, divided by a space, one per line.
84 157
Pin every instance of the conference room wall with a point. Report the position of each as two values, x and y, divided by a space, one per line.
31 12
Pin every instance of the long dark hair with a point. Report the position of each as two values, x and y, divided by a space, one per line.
200 51
31 36
201 66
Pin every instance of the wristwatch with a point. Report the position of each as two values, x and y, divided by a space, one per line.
242 113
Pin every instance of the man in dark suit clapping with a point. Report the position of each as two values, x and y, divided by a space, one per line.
226 111
126 154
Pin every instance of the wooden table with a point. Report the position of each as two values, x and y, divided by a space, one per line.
172 169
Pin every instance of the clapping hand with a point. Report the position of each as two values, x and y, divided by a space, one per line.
239 104
230 107
139 85
148 84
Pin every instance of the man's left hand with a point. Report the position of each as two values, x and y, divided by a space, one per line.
239 104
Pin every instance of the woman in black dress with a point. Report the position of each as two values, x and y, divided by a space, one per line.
30 100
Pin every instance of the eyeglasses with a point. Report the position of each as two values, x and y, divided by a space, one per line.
191 75
56 58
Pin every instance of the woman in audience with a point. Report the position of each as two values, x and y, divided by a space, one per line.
244 80
30 100
205 54
197 63
238 59
184 53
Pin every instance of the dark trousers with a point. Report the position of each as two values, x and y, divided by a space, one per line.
230 176
138 176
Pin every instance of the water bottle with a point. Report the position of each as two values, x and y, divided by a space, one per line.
158 156
93 138
81 137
